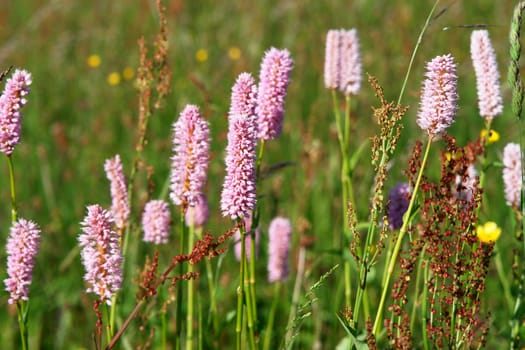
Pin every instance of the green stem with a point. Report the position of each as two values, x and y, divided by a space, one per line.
211 288
397 247
22 322
13 190
251 277
502 277
424 307
189 315
271 317
178 314
416 291
240 289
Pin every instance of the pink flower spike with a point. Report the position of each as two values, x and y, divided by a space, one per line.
22 246
101 254
279 240
512 174
273 84
119 191
244 96
198 215
156 222
487 75
351 71
189 163
332 63
11 101
439 96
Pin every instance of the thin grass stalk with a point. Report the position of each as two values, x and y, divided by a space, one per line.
424 307
191 289
251 278
14 213
399 241
249 306
296 294
416 290
240 289
213 318
178 313
271 317
503 277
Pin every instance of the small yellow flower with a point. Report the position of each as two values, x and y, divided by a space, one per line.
492 137
128 73
489 232
113 78
201 55
93 61
234 53
448 156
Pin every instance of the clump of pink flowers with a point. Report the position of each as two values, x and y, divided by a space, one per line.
11 101
189 163
119 192
438 96
22 246
101 254
156 222
274 78
512 174
279 240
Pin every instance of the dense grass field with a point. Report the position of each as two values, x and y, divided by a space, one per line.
81 112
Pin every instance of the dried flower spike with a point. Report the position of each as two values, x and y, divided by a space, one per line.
273 84
156 222
487 74
398 201
22 246
439 96
198 215
189 164
11 101
512 176
100 254
279 239
119 192
239 190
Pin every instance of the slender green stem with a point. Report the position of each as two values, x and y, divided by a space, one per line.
416 290
251 277
109 333
271 317
249 306
301 263
178 314
502 277
22 322
397 247
240 289
211 288
189 314
163 337
13 189
424 307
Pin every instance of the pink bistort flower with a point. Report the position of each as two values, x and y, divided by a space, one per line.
156 222
119 191
22 246
279 240
244 96
438 96
351 75
487 74
512 174
332 62
273 84
189 163
11 101
101 254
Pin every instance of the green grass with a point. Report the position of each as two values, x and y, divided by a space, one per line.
74 121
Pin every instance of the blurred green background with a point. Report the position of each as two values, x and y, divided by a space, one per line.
77 117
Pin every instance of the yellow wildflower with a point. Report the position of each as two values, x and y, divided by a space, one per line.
93 61
128 73
489 232
234 53
201 55
492 137
113 78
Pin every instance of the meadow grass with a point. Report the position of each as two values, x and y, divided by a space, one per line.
74 120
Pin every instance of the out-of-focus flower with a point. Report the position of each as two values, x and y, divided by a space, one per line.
439 96
487 75
22 246
119 191
201 55
332 61
512 176
198 214
191 152
493 136
279 240
250 232
398 201
466 187
274 78
101 255
239 190
11 101
234 53
156 222
489 232
113 78
93 61
128 73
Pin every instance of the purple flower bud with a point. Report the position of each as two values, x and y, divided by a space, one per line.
11 101
273 84
119 192
247 240
239 191
22 246
156 222
279 240
198 215
487 74
512 175
439 96
244 96
350 81
101 254
332 62
398 201
189 164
